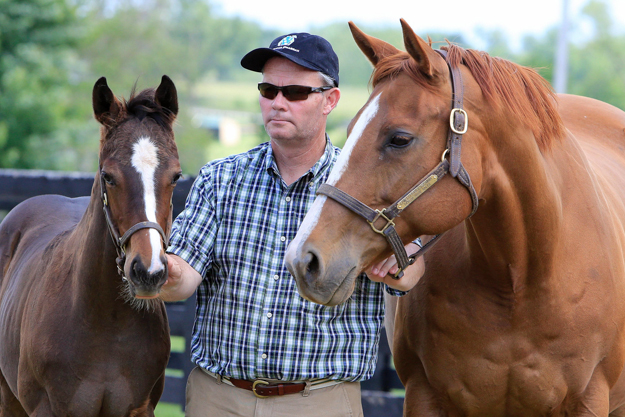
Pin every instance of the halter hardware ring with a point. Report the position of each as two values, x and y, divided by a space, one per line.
452 119
445 152
259 382
389 222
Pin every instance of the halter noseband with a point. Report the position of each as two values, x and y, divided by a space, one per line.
120 242
458 125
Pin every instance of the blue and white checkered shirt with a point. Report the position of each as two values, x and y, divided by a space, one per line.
250 320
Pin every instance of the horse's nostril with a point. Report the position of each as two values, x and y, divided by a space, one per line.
312 264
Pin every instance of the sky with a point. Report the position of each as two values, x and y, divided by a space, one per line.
515 18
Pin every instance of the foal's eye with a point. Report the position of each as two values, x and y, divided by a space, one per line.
399 141
177 176
107 178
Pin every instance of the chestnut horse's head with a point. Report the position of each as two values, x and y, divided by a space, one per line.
394 142
138 171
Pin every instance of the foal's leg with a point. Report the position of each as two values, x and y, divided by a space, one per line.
9 405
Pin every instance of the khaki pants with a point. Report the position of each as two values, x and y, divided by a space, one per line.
207 397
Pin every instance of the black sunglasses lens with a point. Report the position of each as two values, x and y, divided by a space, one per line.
267 90
290 92
296 92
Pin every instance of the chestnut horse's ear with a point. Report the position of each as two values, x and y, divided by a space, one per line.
373 48
105 105
167 96
419 50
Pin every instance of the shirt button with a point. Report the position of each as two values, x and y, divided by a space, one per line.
276 277
288 199
269 315
264 356
282 238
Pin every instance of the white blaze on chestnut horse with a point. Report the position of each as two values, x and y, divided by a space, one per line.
521 311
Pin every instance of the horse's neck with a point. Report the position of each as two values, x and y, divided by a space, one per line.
512 236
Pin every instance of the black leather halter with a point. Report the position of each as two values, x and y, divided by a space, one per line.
120 242
458 125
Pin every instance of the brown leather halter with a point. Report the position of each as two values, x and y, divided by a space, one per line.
120 242
458 125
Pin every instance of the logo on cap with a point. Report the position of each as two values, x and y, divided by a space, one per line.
287 40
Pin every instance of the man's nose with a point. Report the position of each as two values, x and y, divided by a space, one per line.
279 102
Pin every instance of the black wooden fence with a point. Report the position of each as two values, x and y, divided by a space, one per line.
18 185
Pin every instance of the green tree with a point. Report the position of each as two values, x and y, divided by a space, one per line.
35 63
596 67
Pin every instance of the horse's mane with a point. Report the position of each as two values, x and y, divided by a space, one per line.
521 90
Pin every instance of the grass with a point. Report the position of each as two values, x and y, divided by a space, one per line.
168 410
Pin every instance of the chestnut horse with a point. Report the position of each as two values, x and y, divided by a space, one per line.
521 311
76 338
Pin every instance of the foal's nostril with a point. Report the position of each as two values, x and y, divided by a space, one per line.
137 270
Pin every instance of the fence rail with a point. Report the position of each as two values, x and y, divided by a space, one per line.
18 185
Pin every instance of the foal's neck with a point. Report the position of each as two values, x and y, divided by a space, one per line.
95 275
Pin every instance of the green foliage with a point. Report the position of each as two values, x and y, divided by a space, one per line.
35 64
52 51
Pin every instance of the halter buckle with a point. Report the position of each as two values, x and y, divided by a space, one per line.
389 222
452 119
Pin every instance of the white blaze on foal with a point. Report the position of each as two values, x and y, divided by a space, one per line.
145 161
312 217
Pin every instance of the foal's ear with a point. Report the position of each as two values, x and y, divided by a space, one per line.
373 48
167 96
419 50
105 105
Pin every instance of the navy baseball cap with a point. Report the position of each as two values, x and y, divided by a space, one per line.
309 51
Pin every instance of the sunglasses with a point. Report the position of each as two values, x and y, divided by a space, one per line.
290 92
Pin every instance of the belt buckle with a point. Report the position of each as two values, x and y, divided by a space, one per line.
259 382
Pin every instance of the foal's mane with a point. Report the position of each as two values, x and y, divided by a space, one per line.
143 105
506 85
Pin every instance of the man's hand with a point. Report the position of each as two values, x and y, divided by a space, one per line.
384 271
182 279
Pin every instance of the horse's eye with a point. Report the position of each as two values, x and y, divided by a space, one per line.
400 141
177 176
107 178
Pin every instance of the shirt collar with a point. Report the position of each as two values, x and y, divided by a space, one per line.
320 167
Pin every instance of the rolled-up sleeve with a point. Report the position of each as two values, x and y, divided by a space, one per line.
194 230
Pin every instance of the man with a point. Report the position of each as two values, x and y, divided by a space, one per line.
254 335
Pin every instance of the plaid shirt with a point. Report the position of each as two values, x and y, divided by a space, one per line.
250 320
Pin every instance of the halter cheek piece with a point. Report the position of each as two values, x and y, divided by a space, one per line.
458 125
120 242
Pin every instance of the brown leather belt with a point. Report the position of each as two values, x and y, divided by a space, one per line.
264 389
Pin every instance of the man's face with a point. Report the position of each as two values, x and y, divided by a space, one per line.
292 120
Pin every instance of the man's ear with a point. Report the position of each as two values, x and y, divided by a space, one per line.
332 99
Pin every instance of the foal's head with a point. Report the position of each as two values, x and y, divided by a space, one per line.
138 171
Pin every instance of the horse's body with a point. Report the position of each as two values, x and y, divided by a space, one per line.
71 344
521 311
